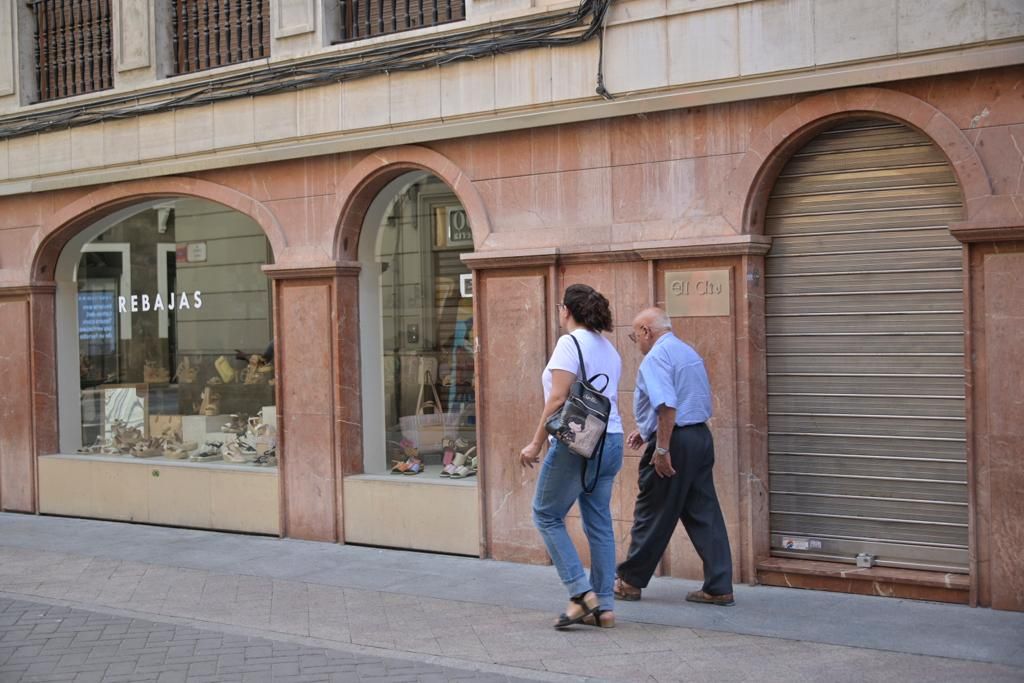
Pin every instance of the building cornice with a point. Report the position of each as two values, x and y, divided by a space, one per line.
732 245
313 271
738 89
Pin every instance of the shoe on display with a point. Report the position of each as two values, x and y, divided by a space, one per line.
148 448
94 449
179 451
238 451
236 425
468 469
208 453
267 459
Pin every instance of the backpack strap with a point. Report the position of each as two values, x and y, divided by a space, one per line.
579 352
583 368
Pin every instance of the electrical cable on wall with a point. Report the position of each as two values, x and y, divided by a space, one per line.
568 27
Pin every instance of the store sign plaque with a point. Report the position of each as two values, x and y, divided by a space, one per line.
697 293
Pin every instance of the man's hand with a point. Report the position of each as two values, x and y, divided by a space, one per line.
663 465
634 440
530 455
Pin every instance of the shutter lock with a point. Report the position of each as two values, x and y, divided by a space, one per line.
866 560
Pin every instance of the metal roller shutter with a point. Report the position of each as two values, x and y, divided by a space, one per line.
864 305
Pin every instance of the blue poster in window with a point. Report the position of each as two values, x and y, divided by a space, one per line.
97 326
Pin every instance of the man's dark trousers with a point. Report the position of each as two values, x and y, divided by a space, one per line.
690 497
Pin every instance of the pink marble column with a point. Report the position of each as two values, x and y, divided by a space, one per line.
17 471
316 354
513 352
1000 426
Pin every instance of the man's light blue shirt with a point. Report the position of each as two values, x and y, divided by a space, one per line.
672 374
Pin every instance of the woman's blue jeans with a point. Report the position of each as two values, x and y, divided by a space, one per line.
558 487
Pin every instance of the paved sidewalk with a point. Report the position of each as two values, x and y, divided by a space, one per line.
453 615
40 642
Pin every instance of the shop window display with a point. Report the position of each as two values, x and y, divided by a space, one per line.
175 338
427 336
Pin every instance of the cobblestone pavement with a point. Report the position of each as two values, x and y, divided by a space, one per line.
41 643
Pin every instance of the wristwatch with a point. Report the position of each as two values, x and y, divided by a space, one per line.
661 451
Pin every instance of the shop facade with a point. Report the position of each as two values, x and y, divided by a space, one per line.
368 328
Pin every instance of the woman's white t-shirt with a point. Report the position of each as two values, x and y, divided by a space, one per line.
599 356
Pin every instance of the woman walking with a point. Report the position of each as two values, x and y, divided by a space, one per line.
584 314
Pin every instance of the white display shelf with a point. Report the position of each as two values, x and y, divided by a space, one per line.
218 465
431 476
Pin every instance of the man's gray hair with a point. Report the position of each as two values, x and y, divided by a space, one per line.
660 320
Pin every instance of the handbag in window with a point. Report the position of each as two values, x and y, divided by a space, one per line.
582 421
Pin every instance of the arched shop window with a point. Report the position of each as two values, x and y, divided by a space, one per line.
418 360
165 337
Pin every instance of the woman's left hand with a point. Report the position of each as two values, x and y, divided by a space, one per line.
530 455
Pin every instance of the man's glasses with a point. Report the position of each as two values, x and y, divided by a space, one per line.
632 335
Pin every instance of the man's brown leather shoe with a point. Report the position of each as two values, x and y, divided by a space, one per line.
725 600
624 591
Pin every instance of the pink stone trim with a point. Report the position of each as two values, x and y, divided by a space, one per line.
367 178
751 182
62 225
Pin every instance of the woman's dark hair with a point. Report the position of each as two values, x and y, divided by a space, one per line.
588 307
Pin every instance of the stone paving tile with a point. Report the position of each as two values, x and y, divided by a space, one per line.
143 650
472 633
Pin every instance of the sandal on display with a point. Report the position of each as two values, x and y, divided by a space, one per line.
148 448
179 451
460 458
97 447
208 453
413 465
236 425
468 466
448 470
268 459
409 448
124 437
463 472
239 451
580 607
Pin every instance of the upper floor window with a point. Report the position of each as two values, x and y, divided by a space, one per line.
369 18
72 47
212 33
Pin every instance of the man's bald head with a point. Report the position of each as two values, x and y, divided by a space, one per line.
654 318
648 325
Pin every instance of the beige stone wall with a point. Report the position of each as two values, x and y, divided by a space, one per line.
659 54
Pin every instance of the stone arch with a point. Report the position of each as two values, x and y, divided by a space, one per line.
752 181
367 178
60 227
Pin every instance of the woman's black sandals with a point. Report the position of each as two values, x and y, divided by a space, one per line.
580 607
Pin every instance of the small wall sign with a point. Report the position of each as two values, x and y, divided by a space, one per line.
698 293
196 252
458 227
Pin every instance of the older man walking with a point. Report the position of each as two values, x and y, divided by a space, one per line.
672 403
